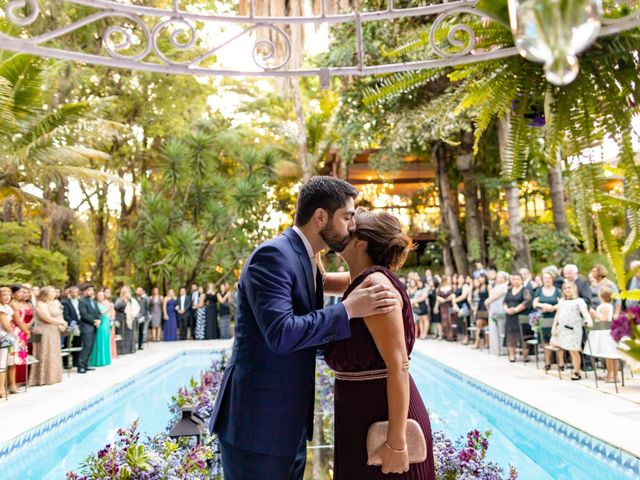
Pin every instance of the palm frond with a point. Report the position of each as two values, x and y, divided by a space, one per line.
172 159
7 117
612 248
245 192
44 126
24 72
183 245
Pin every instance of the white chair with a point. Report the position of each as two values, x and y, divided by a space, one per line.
67 352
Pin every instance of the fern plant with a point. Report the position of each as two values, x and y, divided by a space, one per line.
600 104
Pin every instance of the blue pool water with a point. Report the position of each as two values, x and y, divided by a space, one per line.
66 446
539 447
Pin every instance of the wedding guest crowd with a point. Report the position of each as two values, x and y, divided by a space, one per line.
44 330
501 311
488 309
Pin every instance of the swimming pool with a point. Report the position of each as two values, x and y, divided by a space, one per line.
62 444
540 447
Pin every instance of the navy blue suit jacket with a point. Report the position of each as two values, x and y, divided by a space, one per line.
266 399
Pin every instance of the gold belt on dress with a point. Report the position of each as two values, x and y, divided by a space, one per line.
362 376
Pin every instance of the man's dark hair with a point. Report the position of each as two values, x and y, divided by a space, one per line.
328 193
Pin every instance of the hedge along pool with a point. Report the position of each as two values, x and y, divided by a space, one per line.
540 447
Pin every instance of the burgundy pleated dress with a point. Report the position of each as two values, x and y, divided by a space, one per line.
358 404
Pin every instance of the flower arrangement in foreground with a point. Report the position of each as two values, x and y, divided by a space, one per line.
162 458
130 458
465 459
625 330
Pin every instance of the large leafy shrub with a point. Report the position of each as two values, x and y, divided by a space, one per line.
23 260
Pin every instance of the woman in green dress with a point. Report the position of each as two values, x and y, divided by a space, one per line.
546 301
101 353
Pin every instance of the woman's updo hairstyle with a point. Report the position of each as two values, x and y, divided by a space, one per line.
387 245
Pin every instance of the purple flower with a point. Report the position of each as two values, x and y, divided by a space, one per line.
621 325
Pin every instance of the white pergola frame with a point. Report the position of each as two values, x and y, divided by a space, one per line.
151 22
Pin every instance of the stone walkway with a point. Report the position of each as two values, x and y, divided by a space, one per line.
613 418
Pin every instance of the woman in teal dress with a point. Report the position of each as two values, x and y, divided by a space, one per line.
101 353
546 301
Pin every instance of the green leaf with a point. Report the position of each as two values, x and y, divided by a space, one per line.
495 9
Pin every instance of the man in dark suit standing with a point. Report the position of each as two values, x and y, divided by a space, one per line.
263 415
143 316
193 311
89 322
184 313
71 315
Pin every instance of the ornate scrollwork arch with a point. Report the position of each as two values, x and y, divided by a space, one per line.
138 43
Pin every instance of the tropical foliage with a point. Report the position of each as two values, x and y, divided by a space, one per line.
99 191
38 137
23 260
204 208
538 124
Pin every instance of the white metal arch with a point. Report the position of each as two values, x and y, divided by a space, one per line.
145 25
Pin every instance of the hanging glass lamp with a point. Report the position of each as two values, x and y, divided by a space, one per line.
554 32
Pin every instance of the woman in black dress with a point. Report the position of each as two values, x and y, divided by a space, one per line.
461 301
434 314
481 313
224 299
515 302
211 314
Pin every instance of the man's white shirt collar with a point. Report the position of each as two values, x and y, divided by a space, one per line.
305 240
307 245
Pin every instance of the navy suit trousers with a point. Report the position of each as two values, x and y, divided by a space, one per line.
239 464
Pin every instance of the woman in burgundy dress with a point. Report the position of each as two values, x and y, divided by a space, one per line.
372 378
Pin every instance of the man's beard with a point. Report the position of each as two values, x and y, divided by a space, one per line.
333 239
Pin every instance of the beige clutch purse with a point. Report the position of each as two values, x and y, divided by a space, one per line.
416 444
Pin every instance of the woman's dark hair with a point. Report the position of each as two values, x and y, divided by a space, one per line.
386 244
328 193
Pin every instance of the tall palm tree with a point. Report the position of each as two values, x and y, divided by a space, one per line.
39 146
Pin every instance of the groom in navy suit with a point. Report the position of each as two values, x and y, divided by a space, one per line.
263 415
